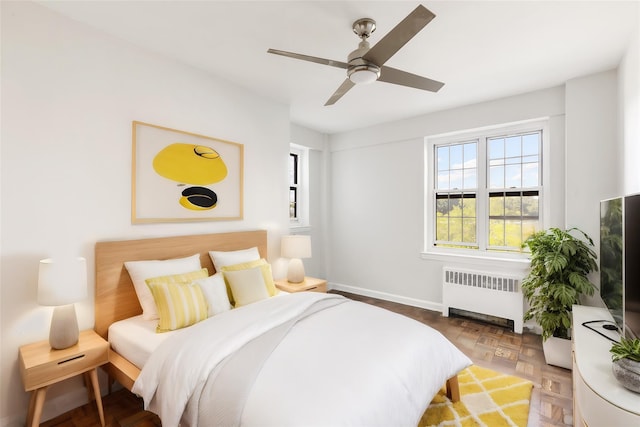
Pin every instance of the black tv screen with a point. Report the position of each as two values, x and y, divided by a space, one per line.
631 279
611 258
620 261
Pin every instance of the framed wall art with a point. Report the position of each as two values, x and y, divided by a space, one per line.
181 176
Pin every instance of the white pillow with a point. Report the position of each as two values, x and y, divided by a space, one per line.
223 258
247 286
215 292
139 271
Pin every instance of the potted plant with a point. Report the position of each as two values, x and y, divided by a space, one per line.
626 362
560 264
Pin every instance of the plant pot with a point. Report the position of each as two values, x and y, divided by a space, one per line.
557 352
627 372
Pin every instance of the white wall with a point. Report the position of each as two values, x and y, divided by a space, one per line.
376 210
629 90
592 165
69 95
318 172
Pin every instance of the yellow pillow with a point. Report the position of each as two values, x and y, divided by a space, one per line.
265 267
247 285
179 305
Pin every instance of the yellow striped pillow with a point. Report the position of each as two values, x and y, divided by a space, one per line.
179 305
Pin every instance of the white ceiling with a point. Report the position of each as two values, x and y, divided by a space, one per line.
481 49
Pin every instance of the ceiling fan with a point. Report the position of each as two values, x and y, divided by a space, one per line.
366 64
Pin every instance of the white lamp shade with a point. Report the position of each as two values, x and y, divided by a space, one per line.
62 281
296 246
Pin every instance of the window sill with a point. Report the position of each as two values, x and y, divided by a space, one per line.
516 261
297 228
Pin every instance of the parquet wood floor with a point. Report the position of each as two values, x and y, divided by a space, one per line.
487 345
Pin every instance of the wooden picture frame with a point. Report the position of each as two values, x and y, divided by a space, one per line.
180 176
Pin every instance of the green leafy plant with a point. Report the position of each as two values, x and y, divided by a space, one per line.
560 264
627 348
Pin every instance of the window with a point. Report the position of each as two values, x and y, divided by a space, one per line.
484 189
298 185
294 173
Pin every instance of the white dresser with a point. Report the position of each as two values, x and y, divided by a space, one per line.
598 399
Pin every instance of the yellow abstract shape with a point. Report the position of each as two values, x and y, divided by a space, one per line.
190 164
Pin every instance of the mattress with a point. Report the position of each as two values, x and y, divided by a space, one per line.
135 339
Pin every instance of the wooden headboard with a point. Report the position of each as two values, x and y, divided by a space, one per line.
115 295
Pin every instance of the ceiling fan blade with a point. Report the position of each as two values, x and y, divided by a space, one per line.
331 62
399 77
344 88
399 36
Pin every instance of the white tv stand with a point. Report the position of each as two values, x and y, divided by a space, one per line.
598 398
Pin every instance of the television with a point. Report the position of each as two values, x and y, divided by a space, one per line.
620 261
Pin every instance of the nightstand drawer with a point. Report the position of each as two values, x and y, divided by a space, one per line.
320 288
41 366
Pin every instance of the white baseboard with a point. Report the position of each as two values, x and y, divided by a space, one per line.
414 302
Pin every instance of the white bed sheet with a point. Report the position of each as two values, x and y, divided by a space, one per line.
135 339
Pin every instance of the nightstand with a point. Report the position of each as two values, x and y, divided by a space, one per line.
309 284
42 366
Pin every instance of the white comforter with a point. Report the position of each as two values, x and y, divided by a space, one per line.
348 363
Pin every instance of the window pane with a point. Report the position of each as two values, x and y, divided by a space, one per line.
456 179
455 159
530 144
496 148
469 207
496 206
512 146
442 227
530 206
442 206
496 232
443 180
469 230
455 229
513 177
512 206
293 203
443 158
293 169
513 233
470 155
470 179
528 228
496 177
530 175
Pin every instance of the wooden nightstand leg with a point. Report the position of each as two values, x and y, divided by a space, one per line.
35 407
93 374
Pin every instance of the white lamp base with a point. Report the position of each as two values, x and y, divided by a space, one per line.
64 327
295 274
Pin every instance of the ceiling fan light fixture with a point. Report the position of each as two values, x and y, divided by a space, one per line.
364 74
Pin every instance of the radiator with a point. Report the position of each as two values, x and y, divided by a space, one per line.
483 292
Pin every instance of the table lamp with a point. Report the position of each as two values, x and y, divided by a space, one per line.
295 247
62 282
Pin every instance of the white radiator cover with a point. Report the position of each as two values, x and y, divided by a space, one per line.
484 292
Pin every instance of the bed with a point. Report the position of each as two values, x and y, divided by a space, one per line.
295 359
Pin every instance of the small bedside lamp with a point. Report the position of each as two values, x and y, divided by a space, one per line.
60 284
296 247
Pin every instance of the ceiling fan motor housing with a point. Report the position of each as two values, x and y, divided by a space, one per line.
361 71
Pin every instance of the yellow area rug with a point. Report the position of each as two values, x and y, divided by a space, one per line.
487 399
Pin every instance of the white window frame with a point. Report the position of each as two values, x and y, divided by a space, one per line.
443 253
302 208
